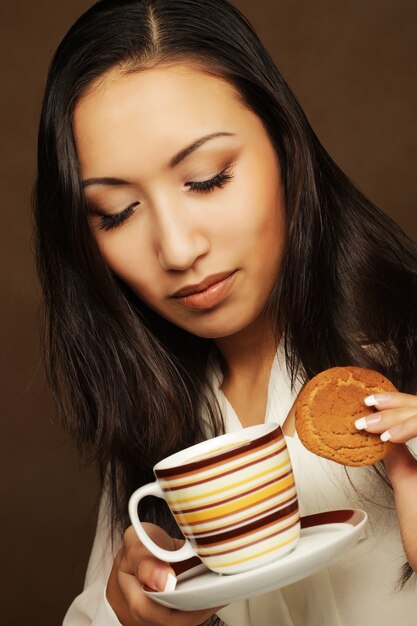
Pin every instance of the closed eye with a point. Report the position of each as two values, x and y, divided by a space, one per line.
205 186
108 222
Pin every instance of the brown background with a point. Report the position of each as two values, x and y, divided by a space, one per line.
352 66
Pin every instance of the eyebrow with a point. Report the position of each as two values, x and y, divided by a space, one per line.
173 162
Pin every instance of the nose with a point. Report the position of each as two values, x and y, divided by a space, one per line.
180 239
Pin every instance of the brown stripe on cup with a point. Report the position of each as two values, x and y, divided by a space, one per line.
209 520
236 496
234 469
217 459
248 544
242 531
232 525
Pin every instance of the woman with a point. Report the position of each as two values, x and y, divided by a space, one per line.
201 257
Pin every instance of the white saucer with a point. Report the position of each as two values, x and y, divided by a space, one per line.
323 539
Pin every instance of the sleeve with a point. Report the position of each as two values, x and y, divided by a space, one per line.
91 607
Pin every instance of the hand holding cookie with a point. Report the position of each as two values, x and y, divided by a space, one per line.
329 406
354 416
395 419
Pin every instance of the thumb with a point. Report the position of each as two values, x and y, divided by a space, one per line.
155 575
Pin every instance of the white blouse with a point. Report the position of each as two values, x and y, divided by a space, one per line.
360 588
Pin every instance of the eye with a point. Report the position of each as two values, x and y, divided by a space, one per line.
108 222
205 186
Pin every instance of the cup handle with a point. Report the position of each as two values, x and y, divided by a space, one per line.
170 556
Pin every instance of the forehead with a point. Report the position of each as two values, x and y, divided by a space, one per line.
153 110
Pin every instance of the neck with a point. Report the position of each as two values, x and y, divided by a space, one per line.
248 355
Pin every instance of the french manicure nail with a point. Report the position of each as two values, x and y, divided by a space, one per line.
388 434
376 399
171 583
364 422
159 579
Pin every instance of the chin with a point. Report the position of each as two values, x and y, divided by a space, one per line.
215 329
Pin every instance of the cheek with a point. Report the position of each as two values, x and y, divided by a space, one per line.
113 251
129 257
267 240
258 215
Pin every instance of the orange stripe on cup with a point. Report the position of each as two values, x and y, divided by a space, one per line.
207 525
220 563
263 536
277 517
201 495
246 501
203 532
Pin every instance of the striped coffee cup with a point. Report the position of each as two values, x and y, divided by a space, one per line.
233 497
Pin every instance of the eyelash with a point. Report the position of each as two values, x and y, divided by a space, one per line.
205 186
109 222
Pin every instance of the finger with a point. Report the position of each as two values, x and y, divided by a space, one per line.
143 609
149 571
154 574
383 420
402 432
150 613
389 400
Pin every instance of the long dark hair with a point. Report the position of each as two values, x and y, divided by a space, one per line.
131 387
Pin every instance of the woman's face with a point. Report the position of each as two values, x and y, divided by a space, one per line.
185 195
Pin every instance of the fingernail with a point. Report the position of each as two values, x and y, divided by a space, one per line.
388 434
159 579
376 399
171 583
364 422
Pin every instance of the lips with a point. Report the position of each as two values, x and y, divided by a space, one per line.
208 294
205 284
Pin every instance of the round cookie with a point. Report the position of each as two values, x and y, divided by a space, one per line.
327 408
